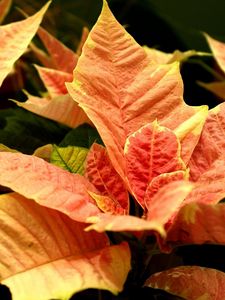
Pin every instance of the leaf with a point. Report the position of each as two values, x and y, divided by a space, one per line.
81 136
121 90
63 58
218 88
44 152
101 173
218 50
54 80
44 246
61 109
210 186
16 37
212 139
149 152
84 36
70 158
190 282
198 223
48 185
4 9
25 132
164 205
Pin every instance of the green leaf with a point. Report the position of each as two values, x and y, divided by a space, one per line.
82 136
70 158
25 132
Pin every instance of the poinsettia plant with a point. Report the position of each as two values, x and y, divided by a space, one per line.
137 173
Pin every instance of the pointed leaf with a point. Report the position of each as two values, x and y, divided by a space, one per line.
61 109
218 50
16 37
101 173
44 152
163 206
63 58
48 185
198 223
4 9
218 88
84 36
54 80
191 283
70 158
44 246
121 90
212 139
149 152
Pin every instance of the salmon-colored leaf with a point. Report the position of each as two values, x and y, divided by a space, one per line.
4 9
212 139
101 173
121 90
48 185
16 37
84 36
149 152
164 205
70 158
198 223
218 50
44 249
54 80
61 109
190 282
63 58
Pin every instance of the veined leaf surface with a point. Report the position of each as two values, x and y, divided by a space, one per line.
149 152
44 249
54 80
121 90
48 185
63 58
190 282
70 158
61 109
16 37
101 173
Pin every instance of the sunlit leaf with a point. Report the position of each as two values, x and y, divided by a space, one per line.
211 144
164 204
45 249
198 223
149 152
16 37
101 173
121 90
54 80
218 50
61 109
70 158
63 58
48 185
190 282
4 9
44 152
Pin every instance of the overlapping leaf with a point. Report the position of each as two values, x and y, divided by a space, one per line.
121 90
149 152
45 249
4 9
61 109
198 223
164 205
191 283
48 185
101 173
217 87
62 58
16 37
218 50
70 158
211 144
